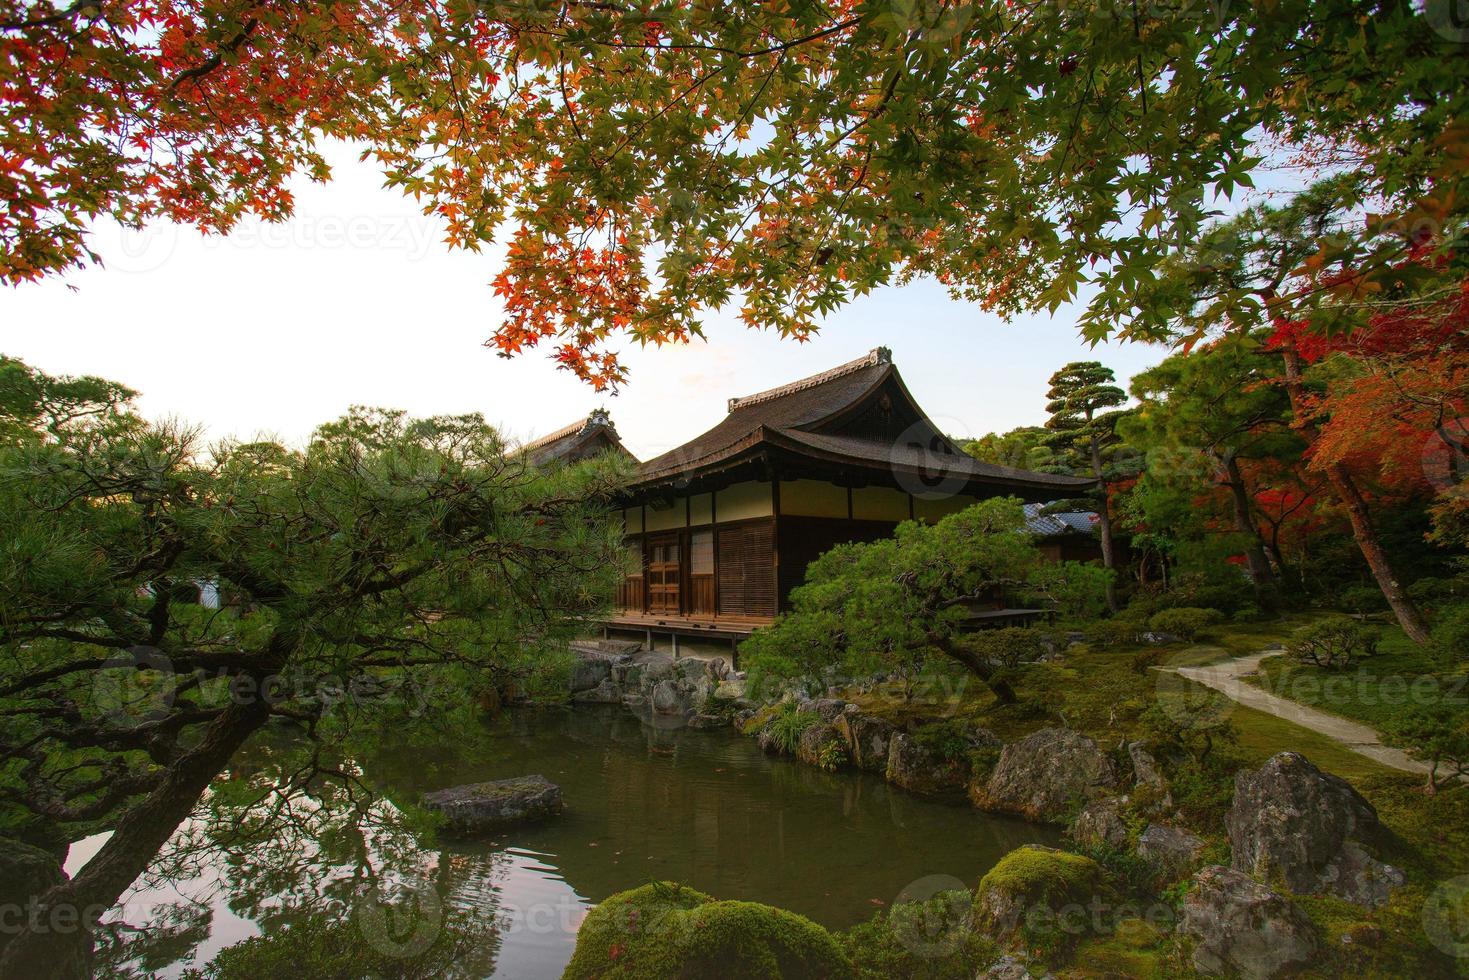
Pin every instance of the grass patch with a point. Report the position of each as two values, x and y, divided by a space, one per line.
1376 692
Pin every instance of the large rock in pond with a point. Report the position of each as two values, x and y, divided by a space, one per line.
671 698
588 671
664 931
915 768
1309 828
1044 776
821 746
868 739
1033 893
1241 928
479 807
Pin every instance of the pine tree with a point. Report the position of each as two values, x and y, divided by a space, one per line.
1083 399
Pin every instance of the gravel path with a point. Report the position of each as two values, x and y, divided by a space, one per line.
1228 679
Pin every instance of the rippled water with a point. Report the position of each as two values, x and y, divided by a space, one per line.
704 808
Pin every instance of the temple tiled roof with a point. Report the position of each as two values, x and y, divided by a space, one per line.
579 440
814 417
1067 522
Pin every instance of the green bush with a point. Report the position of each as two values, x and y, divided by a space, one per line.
1185 621
1116 632
1451 633
1361 599
929 940
663 931
1333 644
1011 646
945 740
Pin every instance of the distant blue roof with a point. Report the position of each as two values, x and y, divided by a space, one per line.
1067 522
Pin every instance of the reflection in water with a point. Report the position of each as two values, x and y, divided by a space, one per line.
704 808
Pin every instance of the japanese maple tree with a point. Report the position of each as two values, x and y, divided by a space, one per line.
651 160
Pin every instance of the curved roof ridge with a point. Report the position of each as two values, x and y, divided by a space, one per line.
874 357
598 416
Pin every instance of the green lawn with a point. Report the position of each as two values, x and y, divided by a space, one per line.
1401 676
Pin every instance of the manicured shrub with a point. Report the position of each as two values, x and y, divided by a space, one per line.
1362 599
1333 644
1116 632
1186 622
1438 736
1012 646
1249 613
663 931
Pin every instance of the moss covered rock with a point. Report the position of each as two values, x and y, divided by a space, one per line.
481 807
663 930
1039 896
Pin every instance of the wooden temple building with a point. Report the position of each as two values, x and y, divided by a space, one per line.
722 528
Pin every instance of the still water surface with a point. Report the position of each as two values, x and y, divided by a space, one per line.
704 808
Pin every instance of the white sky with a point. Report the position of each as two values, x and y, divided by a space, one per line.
357 301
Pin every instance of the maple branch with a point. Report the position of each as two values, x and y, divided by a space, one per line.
216 59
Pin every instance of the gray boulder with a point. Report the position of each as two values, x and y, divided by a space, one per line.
1004 968
820 745
1311 829
1042 776
588 672
704 723
604 693
915 768
868 739
479 807
1171 851
1100 824
828 708
1240 927
671 698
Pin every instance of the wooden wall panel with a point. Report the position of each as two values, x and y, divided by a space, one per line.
747 569
804 539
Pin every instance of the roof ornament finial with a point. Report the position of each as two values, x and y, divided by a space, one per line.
883 355
599 416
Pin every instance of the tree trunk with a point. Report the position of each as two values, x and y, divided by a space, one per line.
977 665
1261 576
1403 607
1341 481
140 834
1104 522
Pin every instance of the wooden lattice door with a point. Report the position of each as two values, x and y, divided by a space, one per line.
664 574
